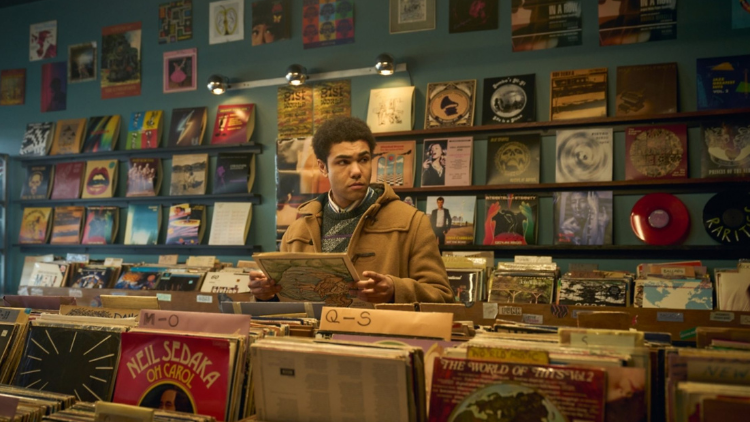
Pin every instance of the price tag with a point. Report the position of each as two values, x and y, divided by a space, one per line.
201 261
8 315
118 293
533 259
113 262
669 317
511 310
722 316
689 333
77 257
592 339
379 321
164 297
75 293
168 259
489 310
533 319
204 299
37 292
500 354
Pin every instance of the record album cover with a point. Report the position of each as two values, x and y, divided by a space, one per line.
101 179
38 182
100 227
37 139
584 155
513 159
233 173
234 124
447 162
391 109
179 282
68 136
43 41
450 104
582 218
12 87
726 149
68 180
102 133
121 70
583 292
223 282
656 152
271 21
189 174
393 163
175 21
470 15
66 226
82 62
144 130
143 223
452 218
92 277
144 176
723 82
411 15
629 22
521 287
578 94
139 278
509 99
539 25
327 23
186 224
35 225
180 70
187 127
226 21
511 219
646 89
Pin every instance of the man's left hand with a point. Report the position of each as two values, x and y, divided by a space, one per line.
375 288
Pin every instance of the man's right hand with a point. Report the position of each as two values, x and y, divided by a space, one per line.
262 287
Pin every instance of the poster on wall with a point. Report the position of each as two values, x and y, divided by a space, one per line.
12 87
636 21
43 41
295 111
723 82
82 62
226 21
175 21
539 25
327 22
54 86
331 99
411 15
271 21
472 15
180 70
740 14
121 60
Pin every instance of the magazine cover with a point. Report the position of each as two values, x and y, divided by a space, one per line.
511 219
391 109
54 87
578 94
12 87
450 104
121 60
447 162
271 21
509 99
102 133
470 16
726 149
452 218
539 25
393 163
327 22
295 111
175 21
189 174
584 155
646 89
656 152
43 41
82 62
411 15
100 227
331 99
723 82
187 127
582 218
513 159
629 22
37 139
180 70
226 21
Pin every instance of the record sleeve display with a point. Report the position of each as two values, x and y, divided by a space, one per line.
726 149
509 99
656 152
450 104
660 219
646 89
578 94
511 219
726 218
584 155
582 218
513 159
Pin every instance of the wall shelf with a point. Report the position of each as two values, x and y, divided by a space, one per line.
144 249
197 199
249 147
612 251
691 118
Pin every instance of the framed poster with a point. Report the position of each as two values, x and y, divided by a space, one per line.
411 15
82 62
180 70
121 60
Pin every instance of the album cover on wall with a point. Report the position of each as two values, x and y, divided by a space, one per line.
391 109
121 72
584 155
470 15
180 70
511 219
447 162
101 179
578 94
189 174
43 41
723 82
450 104
656 152
509 99
175 21
102 133
226 21
393 163
12 87
187 127
539 25
629 22
271 21
37 139
726 149
452 218
38 182
54 87
646 89
582 218
327 23
513 159
411 15
82 62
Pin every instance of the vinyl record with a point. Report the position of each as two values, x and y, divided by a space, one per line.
726 218
660 219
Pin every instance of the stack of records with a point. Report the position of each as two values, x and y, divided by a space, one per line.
515 282
679 285
595 288
33 405
13 329
467 276
93 276
733 288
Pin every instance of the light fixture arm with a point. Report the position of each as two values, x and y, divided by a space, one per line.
401 67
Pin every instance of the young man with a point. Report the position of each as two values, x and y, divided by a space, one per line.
391 244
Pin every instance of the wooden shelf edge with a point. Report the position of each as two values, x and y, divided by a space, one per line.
180 249
249 197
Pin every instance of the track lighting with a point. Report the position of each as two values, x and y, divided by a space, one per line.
385 65
296 75
218 84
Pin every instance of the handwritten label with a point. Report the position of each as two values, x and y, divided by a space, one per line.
168 259
687 334
164 297
75 293
37 292
673 271
711 371
533 259
533 319
511 310
194 321
669 317
201 261
499 354
113 262
8 406
745 319
489 310
722 316
592 339
204 299
380 321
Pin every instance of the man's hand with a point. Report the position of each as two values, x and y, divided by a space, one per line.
262 287
375 288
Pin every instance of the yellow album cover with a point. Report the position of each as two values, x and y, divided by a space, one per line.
35 225
101 176
68 136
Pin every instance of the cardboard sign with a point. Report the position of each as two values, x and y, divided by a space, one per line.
378 321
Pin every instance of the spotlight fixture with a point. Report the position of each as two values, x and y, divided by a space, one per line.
218 84
385 65
296 75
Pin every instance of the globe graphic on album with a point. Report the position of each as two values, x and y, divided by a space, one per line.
505 400
508 101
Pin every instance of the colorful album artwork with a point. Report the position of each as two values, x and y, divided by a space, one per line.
583 218
181 70
225 21
82 62
121 60
726 149
452 218
630 22
723 82
539 25
271 21
175 21
295 111
12 87
511 220
450 104
43 41
54 87
327 22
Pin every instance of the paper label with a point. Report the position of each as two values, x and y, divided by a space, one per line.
687 334
37 292
669 317
499 354
673 271
164 297
77 257
533 319
511 310
8 314
722 316
194 321
113 262
532 259
592 339
23 291
204 299
574 313
75 293
745 319
168 259
118 293
712 371
489 310
378 321
201 261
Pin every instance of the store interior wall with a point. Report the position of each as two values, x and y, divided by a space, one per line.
703 30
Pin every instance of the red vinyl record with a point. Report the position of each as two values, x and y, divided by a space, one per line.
660 219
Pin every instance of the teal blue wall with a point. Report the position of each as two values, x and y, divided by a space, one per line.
703 30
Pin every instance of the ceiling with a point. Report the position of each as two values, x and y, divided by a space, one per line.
9 3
